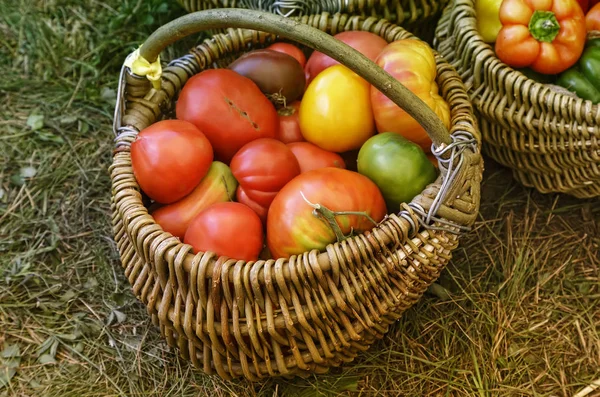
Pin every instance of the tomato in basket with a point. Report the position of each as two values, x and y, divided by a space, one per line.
335 112
291 50
227 229
289 125
367 43
262 167
228 108
349 203
169 158
311 157
217 186
277 74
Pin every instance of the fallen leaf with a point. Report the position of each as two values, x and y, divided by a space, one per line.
28 172
35 121
11 351
46 359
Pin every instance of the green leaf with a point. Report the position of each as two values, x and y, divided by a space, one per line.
120 298
120 316
35 121
148 20
83 127
68 119
439 291
108 94
69 295
6 375
46 359
70 337
78 347
17 180
91 283
10 359
11 351
46 345
50 137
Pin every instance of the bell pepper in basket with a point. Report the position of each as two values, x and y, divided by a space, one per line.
546 35
592 18
584 78
488 20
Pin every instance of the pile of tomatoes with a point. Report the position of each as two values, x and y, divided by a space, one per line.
277 155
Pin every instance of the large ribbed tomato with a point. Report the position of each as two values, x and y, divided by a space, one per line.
292 226
411 62
228 108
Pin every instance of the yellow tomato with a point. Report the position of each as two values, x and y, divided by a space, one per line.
335 112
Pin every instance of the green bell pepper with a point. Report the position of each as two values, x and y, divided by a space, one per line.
584 78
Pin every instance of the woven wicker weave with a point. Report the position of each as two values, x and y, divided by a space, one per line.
551 141
313 311
417 16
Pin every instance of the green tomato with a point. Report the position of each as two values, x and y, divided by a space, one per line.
397 166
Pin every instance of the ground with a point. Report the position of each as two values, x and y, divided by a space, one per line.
516 313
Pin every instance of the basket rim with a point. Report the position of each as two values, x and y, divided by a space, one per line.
171 243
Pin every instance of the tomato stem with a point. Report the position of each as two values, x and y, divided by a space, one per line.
329 217
277 99
544 26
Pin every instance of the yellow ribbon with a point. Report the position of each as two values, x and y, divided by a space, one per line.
140 66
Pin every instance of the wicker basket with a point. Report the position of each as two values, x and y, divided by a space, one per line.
316 310
417 16
550 140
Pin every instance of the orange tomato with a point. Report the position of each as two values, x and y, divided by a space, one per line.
413 64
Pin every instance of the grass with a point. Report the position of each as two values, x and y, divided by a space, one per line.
516 313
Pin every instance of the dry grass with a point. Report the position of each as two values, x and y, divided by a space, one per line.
516 313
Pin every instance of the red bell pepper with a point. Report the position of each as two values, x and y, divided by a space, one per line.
547 36
592 19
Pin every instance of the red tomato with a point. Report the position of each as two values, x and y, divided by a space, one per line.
229 108
291 50
367 43
169 158
227 229
293 228
262 167
260 210
289 126
311 157
217 186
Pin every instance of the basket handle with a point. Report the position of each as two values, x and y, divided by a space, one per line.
306 35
